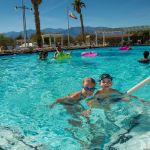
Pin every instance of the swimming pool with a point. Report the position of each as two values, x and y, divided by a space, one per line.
28 85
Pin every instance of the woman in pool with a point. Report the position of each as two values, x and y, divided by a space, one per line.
72 102
88 87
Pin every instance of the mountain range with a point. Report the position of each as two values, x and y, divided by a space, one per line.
74 31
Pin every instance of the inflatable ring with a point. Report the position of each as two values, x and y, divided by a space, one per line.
89 54
62 56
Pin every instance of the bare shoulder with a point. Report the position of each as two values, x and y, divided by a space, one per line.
75 95
98 92
115 91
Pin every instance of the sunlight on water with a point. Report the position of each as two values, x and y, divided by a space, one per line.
29 85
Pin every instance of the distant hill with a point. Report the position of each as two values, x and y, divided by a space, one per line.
74 31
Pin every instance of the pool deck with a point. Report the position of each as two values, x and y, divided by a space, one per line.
50 49
36 50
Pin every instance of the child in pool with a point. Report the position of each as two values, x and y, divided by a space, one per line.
105 92
59 51
105 96
88 87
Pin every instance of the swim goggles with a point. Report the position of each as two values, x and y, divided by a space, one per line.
88 89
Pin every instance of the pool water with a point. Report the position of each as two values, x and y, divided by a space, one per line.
28 86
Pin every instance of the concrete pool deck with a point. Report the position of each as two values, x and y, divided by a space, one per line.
36 50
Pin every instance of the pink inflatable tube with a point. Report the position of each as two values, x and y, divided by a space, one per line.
124 48
89 54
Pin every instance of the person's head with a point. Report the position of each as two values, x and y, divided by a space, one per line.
43 55
105 81
88 86
146 54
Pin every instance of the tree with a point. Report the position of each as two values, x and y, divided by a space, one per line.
33 38
78 5
5 41
79 39
65 40
36 4
19 37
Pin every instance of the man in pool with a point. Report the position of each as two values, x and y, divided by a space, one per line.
88 87
145 59
43 55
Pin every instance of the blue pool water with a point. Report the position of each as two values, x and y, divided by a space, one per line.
28 86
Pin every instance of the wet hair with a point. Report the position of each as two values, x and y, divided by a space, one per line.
105 76
89 80
146 54
43 55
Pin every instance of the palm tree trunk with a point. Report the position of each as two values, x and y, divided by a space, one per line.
37 24
82 27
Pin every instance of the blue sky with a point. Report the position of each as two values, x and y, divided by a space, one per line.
98 13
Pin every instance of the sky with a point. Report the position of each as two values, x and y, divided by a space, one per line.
98 13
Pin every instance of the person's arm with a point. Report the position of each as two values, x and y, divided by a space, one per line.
57 50
87 112
117 92
59 100
64 100
128 98
91 104
140 99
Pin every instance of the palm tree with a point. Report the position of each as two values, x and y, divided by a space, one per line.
78 5
36 4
